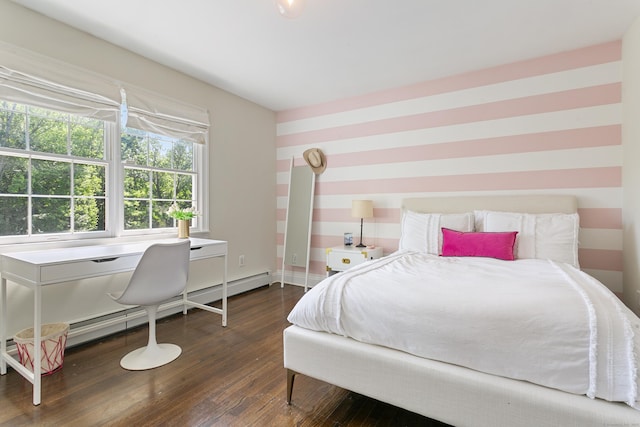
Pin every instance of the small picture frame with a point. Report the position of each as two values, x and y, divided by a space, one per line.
348 239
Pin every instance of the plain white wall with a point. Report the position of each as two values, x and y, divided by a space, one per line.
631 166
242 198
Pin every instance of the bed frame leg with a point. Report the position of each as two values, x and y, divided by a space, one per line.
290 376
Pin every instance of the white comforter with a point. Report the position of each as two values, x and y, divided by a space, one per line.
534 320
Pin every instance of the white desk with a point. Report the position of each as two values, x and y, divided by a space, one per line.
37 269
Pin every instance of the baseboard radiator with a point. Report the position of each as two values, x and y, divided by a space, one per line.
94 328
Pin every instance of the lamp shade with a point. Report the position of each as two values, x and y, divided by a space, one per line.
362 209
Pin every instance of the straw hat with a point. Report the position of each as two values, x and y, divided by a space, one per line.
315 159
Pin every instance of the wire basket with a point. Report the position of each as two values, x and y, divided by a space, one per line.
53 341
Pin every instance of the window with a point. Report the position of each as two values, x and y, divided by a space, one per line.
81 157
158 171
69 176
52 172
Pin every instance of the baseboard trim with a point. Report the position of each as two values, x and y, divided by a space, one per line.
297 278
98 327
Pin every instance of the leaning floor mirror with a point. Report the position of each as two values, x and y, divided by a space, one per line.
297 235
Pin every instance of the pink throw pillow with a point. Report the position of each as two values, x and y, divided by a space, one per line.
488 244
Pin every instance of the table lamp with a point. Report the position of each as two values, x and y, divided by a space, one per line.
361 209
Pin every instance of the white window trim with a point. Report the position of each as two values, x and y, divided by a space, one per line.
45 75
114 190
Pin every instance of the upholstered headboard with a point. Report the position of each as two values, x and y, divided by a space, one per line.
519 203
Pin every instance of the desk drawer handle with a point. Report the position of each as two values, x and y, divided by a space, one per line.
105 259
346 261
196 248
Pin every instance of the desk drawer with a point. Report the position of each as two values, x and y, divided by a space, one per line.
207 251
82 269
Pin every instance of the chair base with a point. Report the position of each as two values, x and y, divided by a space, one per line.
150 357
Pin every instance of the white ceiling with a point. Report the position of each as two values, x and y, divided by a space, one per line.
340 48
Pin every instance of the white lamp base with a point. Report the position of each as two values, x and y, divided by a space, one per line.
150 357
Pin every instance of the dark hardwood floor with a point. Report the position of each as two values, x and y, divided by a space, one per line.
231 376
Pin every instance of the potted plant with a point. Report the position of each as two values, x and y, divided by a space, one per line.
183 216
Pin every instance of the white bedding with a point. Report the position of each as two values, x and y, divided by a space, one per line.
534 320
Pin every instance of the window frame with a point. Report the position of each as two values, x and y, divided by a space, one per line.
114 192
200 161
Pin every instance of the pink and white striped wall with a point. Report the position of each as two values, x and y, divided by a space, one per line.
550 125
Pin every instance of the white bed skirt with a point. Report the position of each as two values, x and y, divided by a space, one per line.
448 393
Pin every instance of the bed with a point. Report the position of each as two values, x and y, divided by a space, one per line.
486 394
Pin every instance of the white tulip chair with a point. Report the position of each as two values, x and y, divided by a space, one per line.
160 275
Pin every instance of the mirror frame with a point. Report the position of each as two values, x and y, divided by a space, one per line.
299 218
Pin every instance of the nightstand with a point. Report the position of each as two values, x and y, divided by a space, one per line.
342 258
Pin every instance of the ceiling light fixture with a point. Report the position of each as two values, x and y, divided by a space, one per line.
290 8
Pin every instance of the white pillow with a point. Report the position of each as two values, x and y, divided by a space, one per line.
542 236
422 232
